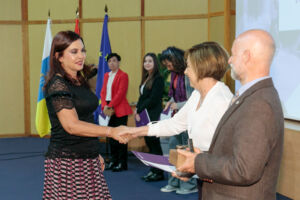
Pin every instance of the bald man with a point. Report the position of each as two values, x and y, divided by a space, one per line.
244 157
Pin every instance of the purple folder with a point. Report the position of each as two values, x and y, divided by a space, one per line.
166 112
152 158
144 119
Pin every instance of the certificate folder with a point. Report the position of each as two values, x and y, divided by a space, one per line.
103 119
166 114
144 119
157 161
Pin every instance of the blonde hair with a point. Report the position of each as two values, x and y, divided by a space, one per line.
208 59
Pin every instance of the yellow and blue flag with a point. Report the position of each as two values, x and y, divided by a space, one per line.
102 65
42 122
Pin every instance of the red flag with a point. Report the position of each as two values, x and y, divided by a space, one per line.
77 30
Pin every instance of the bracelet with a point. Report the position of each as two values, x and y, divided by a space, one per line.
107 133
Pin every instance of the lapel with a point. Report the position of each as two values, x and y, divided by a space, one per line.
261 84
145 90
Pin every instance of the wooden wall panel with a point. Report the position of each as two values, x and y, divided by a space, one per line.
59 9
11 82
289 177
10 10
217 5
167 7
181 33
95 8
217 29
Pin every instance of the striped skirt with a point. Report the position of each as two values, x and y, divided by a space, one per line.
72 179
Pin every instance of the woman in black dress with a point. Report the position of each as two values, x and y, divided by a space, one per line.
73 165
151 91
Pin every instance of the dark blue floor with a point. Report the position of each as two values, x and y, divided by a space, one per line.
21 175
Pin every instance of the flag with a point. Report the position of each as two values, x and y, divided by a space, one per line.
102 65
42 122
77 29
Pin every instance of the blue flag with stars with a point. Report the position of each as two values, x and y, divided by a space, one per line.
102 66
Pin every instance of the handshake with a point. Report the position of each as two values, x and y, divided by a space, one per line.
124 134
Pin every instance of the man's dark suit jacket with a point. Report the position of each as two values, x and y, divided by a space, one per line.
244 157
151 99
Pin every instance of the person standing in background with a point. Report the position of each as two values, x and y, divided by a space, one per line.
180 90
151 91
115 105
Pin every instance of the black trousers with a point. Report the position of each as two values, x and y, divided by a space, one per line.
153 144
199 185
119 152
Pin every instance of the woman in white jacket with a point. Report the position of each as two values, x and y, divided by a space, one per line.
206 65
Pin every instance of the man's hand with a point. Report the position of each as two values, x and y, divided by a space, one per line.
189 164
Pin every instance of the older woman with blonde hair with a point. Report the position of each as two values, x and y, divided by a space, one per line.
206 65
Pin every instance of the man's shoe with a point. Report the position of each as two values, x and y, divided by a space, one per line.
119 167
168 188
147 175
186 191
155 177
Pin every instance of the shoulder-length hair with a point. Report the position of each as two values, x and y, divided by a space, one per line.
155 71
62 41
208 59
176 57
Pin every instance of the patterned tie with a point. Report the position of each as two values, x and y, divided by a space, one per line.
234 98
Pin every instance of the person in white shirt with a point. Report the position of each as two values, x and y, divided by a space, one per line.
206 65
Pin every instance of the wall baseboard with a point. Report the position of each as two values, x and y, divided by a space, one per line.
12 135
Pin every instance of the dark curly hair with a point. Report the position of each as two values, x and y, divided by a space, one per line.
176 57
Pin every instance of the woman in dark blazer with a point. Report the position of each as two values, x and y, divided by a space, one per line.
151 91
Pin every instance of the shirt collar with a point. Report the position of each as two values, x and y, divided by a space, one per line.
113 73
249 84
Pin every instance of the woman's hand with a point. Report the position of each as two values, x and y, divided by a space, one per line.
174 106
137 117
102 162
133 132
167 105
120 134
108 111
